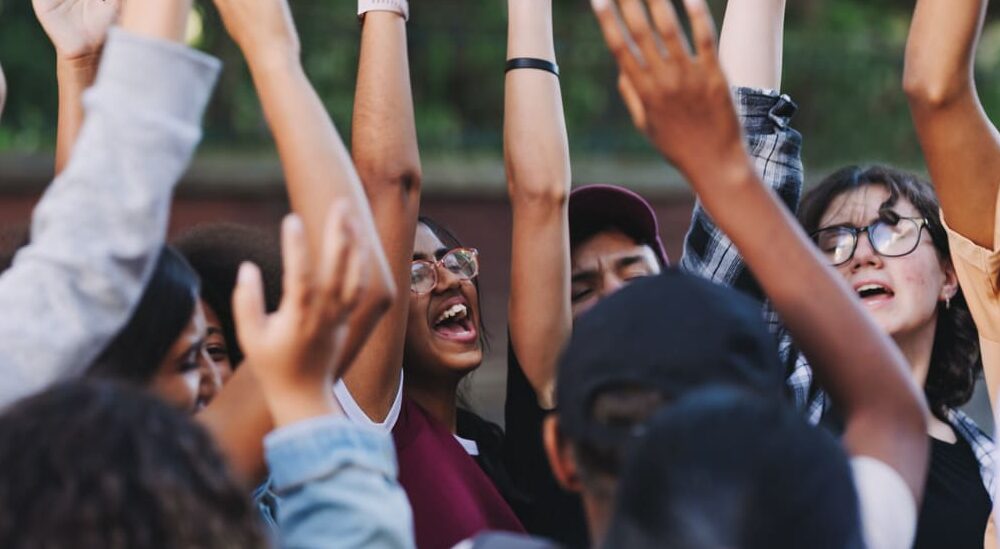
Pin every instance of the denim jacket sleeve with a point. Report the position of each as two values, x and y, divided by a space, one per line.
776 151
337 485
97 231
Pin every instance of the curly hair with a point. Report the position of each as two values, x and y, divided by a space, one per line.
955 361
215 251
99 465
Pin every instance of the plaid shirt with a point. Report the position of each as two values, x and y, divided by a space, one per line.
776 150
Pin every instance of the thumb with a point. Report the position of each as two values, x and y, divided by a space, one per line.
248 305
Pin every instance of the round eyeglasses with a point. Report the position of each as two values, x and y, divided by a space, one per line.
463 263
888 239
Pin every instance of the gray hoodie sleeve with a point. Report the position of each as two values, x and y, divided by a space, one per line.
97 231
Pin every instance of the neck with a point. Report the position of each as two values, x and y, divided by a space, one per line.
598 512
437 397
918 347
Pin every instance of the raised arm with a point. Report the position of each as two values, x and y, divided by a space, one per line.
337 479
98 229
77 29
536 153
691 121
751 55
384 146
960 144
317 166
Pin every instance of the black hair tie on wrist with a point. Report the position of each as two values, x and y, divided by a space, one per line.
532 63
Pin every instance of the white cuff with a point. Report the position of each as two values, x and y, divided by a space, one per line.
401 7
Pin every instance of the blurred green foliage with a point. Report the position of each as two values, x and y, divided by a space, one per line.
843 65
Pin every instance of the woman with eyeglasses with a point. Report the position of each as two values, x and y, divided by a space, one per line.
881 229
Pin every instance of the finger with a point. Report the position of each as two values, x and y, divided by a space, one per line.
702 30
249 311
358 258
668 27
615 38
632 101
297 276
336 246
637 23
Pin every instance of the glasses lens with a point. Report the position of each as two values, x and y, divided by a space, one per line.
464 263
894 240
836 243
422 277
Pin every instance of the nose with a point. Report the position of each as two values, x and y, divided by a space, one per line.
864 254
446 280
612 283
209 381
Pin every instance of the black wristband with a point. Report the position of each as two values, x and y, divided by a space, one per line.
532 63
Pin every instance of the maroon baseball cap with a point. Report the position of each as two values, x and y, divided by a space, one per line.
594 208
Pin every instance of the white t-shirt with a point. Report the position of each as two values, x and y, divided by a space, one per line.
888 511
357 415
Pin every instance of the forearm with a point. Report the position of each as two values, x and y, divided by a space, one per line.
160 19
860 367
751 42
238 419
74 77
538 176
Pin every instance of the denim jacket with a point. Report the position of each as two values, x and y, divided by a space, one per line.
337 486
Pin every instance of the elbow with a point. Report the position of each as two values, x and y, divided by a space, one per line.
553 195
931 92
381 175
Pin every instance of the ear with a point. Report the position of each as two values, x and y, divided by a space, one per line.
950 286
560 455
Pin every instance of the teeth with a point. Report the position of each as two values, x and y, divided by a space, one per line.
870 287
457 310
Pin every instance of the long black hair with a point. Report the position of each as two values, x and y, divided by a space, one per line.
955 361
165 309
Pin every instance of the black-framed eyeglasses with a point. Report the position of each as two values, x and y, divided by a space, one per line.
888 239
461 262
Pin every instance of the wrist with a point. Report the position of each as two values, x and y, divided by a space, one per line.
79 72
732 167
289 404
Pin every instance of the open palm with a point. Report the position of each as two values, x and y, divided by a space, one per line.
77 28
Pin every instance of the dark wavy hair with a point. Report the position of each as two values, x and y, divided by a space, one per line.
98 464
215 251
955 362
164 310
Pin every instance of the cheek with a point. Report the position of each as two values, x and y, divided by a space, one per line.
920 280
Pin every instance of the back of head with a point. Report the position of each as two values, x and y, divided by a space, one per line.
723 467
164 310
98 465
216 251
649 344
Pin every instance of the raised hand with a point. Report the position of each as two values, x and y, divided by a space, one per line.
678 97
77 28
293 351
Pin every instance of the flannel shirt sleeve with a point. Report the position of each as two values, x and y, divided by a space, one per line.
776 151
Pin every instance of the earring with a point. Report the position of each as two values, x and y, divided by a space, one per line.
947 303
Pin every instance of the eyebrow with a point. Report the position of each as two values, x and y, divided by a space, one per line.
628 261
438 254
582 276
213 330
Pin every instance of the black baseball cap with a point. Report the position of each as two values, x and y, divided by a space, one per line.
673 332
724 467
594 208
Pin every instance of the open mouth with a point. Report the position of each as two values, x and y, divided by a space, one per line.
455 324
874 293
